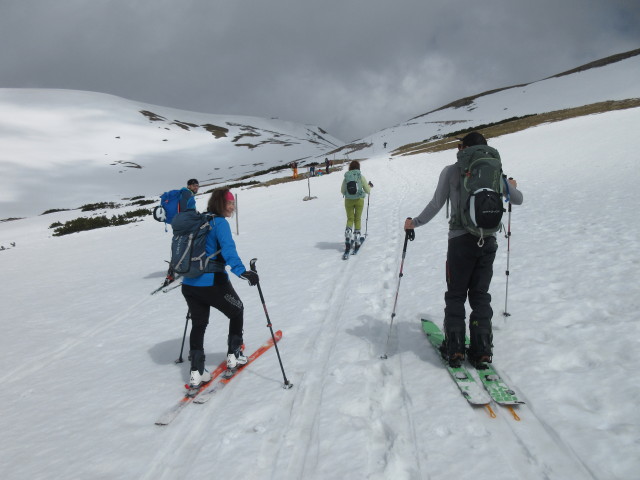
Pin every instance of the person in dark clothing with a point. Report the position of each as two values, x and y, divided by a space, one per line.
215 290
469 267
188 194
187 202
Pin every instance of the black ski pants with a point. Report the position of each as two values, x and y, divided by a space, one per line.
469 272
220 296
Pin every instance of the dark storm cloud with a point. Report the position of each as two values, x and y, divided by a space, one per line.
351 67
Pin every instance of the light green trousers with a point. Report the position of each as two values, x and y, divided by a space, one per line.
354 209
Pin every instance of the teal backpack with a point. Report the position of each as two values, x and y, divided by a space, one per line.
354 185
481 190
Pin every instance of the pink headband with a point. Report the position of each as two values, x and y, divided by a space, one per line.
229 197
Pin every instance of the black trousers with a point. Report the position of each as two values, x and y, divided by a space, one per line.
220 296
469 271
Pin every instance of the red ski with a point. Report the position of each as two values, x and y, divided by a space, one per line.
231 374
211 386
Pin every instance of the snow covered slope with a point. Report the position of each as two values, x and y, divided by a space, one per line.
87 354
615 78
105 148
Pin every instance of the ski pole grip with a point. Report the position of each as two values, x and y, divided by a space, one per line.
410 233
252 265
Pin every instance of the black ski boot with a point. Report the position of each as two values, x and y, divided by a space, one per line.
480 350
452 349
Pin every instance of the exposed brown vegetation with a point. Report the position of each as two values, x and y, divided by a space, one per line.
516 125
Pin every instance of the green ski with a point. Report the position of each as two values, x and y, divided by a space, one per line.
497 388
466 383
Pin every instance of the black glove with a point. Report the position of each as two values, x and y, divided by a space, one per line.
371 184
251 277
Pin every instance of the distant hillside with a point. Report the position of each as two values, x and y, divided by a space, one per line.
607 84
113 148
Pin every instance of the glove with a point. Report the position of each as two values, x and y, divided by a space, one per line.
251 277
371 184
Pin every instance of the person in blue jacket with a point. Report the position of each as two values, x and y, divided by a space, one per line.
215 290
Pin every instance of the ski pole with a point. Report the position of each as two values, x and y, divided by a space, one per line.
366 223
184 335
409 235
252 265
508 235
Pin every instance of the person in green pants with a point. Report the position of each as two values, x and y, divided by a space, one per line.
354 188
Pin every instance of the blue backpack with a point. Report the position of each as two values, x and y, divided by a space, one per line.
188 245
168 208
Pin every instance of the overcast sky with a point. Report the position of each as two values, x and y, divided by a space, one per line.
352 67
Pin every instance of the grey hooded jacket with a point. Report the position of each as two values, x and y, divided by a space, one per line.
449 188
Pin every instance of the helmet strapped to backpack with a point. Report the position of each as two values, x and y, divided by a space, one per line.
159 214
481 189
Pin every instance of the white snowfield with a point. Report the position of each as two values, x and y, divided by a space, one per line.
88 355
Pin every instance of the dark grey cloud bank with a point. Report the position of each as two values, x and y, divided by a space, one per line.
350 66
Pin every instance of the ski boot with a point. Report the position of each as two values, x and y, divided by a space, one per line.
357 241
347 243
480 350
235 355
452 349
199 374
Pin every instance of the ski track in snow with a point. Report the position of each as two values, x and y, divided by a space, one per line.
301 442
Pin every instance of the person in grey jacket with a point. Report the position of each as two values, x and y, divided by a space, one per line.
469 268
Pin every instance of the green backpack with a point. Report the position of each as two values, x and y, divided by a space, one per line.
354 184
481 190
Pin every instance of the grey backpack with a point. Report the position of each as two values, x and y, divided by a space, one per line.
188 245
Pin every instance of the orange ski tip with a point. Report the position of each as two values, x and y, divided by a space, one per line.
513 413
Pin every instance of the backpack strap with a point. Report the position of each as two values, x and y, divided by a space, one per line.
212 266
